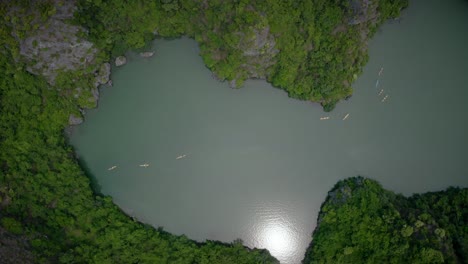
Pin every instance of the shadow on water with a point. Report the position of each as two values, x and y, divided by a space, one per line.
95 186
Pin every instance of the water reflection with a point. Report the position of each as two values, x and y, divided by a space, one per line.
278 238
274 228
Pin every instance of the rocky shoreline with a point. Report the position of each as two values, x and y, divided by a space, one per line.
58 47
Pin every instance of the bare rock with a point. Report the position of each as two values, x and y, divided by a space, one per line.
74 120
233 83
120 60
216 77
95 93
361 11
258 46
103 73
56 44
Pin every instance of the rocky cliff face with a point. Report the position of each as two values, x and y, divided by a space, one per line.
59 46
259 52
248 48
361 11
56 45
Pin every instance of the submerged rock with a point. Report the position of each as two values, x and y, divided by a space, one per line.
147 54
120 60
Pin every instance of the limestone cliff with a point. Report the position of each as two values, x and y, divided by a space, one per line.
57 46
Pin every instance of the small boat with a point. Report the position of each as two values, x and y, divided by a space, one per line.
111 168
325 118
144 165
377 83
181 156
385 98
381 91
346 116
381 71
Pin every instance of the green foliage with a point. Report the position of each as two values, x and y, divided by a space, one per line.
46 195
12 225
407 231
77 85
310 49
360 222
52 196
116 26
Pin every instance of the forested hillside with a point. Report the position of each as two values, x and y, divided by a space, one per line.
46 197
312 49
47 206
360 222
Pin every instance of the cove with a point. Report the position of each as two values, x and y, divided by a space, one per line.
258 164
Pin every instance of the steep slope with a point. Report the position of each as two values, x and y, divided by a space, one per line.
360 222
312 49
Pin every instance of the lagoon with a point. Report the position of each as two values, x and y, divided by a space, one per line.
258 164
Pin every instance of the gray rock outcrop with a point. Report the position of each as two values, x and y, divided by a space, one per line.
362 11
259 51
120 60
103 73
233 83
95 97
74 120
57 45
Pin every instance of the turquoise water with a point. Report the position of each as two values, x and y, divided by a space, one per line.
258 164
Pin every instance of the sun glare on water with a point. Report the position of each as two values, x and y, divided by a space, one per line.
275 230
278 238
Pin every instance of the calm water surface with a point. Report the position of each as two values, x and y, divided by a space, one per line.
258 164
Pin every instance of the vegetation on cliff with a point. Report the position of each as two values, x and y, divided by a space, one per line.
312 49
46 198
360 222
